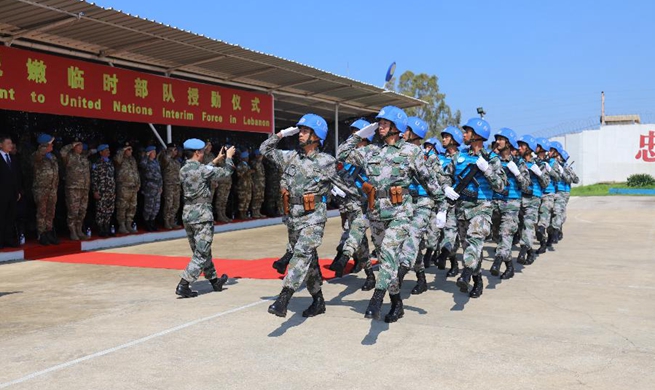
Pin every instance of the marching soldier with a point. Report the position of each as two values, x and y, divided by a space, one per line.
46 181
196 179
258 185
544 231
171 177
128 184
103 186
78 184
244 185
151 187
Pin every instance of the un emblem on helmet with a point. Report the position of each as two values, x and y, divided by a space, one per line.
302 120
382 112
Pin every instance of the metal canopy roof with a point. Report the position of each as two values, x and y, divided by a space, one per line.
85 30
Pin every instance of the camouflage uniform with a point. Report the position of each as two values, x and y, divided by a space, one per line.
128 184
103 183
562 197
151 188
196 179
387 166
44 188
78 184
223 187
244 188
258 188
273 196
450 231
530 207
304 174
171 178
207 159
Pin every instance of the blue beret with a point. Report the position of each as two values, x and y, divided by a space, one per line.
244 154
257 152
150 148
193 144
85 147
102 147
44 139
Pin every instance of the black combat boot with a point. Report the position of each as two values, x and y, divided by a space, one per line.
463 282
279 307
495 267
43 239
184 290
369 284
551 238
421 284
561 234
317 307
509 270
541 237
402 271
335 262
477 286
217 283
396 311
555 234
521 257
441 260
339 264
102 231
52 237
427 258
359 264
375 304
281 264
531 257
454 268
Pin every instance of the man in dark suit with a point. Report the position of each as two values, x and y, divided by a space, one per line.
10 193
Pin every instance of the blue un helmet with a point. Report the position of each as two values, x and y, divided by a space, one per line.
479 126
360 124
565 155
557 146
316 123
455 133
395 115
528 140
543 142
418 126
509 134
436 144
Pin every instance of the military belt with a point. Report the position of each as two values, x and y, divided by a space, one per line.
386 193
300 199
197 201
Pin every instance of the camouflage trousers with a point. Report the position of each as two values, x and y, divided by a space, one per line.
354 242
125 205
509 224
395 232
530 208
433 233
77 201
244 195
450 232
411 247
377 230
546 210
200 236
474 224
222 196
151 204
171 203
303 266
105 207
46 201
559 210
257 199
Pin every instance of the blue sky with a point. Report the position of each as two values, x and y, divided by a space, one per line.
531 65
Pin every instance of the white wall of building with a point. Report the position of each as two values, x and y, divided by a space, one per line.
610 154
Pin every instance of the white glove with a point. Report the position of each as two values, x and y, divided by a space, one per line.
450 193
368 130
513 168
93 151
535 169
441 219
336 191
560 169
482 164
289 131
548 168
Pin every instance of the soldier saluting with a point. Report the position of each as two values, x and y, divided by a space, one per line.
197 215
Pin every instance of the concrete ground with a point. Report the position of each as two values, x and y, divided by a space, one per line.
580 317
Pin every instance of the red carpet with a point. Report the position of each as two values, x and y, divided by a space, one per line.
252 269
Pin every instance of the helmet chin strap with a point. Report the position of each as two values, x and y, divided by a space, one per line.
309 142
390 134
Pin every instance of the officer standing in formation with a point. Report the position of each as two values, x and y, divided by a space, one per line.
244 185
128 183
223 187
258 185
196 179
171 178
78 184
44 188
103 185
151 186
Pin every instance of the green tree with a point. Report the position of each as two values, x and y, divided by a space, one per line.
425 87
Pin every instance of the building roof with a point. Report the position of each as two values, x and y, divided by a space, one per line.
85 30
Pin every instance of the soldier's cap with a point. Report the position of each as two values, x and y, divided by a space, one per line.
85 147
193 144
257 152
244 154
150 148
102 147
77 142
171 145
45 139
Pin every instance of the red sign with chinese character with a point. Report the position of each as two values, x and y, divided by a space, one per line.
35 82
646 147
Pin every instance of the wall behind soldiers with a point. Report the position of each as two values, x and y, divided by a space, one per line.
612 153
